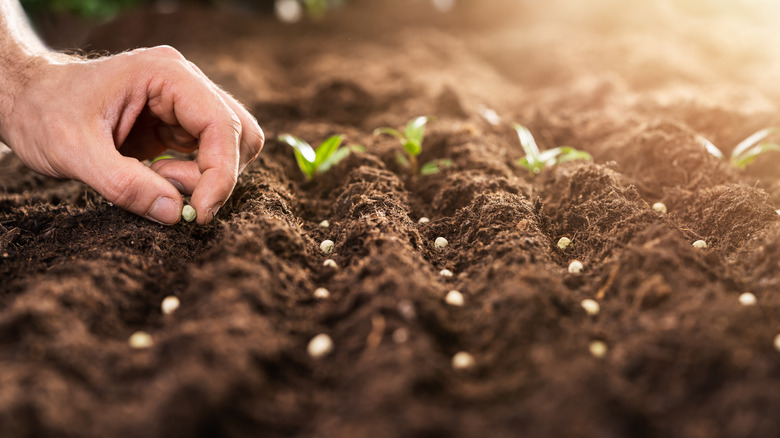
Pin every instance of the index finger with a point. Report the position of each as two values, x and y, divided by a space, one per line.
180 96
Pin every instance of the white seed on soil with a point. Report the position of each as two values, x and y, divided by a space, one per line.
660 207
700 244
423 220
440 243
140 340
188 213
401 335
564 242
463 361
445 273
591 307
324 224
777 211
321 293
598 349
327 246
320 346
330 263
747 299
454 298
777 342
169 305
575 267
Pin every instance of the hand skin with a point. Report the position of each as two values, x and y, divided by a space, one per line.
93 120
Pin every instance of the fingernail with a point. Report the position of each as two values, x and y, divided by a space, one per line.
179 186
213 210
165 211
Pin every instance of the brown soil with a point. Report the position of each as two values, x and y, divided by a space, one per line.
633 86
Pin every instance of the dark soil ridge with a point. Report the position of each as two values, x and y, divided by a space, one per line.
684 358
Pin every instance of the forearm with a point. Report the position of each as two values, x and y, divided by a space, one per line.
21 51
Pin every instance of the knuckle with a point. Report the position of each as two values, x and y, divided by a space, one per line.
122 189
166 51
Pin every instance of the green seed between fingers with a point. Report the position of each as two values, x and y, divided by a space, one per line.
188 213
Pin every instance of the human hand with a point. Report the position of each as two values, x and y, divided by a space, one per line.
93 120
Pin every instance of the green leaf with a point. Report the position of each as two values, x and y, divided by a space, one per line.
402 160
534 169
751 141
326 149
304 154
711 148
390 131
415 130
412 148
750 155
357 148
529 144
568 153
435 166
334 159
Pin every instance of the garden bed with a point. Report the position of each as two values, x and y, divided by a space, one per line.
634 88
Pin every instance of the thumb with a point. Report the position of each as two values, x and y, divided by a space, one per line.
131 185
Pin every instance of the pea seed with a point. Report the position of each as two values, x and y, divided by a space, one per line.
320 346
327 246
188 213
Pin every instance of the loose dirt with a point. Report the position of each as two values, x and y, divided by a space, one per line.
634 85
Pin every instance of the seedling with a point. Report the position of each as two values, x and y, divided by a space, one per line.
747 299
440 243
327 155
188 213
412 140
747 151
700 244
535 160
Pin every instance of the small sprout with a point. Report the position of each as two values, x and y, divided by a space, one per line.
598 349
330 263
412 140
328 153
747 151
321 293
188 213
660 207
747 299
401 335
327 246
320 346
591 307
440 243
324 224
463 361
169 305
777 342
140 340
454 298
425 220
700 244
575 267
535 160
445 273
564 243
